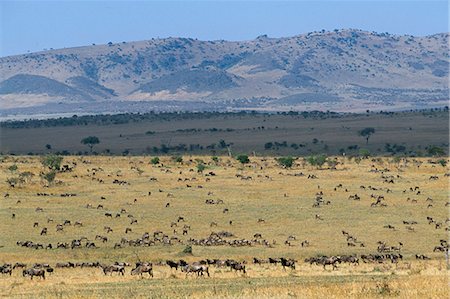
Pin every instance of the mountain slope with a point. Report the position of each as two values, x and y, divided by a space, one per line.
339 70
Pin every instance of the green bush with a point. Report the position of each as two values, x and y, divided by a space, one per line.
155 160
200 167
317 160
178 159
443 162
53 162
364 153
243 159
49 176
187 249
286 161
436 151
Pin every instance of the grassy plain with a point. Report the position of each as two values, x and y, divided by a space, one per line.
274 194
415 131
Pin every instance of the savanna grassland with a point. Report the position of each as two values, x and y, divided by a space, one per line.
408 133
260 197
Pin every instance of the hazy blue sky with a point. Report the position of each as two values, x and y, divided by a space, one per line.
35 25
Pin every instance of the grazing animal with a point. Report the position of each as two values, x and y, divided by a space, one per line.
238 267
114 268
172 264
34 272
290 263
142 268
194 268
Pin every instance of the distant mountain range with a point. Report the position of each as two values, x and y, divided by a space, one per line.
340 70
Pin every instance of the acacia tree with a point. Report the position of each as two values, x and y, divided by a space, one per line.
90 141
366 133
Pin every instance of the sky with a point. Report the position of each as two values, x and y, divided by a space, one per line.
30 26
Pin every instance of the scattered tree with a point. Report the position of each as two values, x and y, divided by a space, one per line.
90 141
366 133
155 160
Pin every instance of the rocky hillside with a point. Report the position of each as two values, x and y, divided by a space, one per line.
342 70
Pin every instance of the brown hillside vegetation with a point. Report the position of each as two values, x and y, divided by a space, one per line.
381 222
340 70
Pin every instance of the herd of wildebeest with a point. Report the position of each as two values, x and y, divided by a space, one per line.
385 253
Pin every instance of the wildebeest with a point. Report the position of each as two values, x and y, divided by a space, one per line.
6 269
113 268
142 268
238 267
195 268
287 263
172 264
34 272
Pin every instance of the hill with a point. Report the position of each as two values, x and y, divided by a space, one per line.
340 70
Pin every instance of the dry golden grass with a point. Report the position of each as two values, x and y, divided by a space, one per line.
247 201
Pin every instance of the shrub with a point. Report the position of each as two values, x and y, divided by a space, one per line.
317 160
49 176
187 249
155 160
243 159
286 161
200 167
53 162
436 151
13 168
443 162
215 159
178 159
364 153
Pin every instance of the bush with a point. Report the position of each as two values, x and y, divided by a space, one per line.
187 249
364 153
14 181
436 151
286 161
53 162
443 162
200 167
243 159
332 163
317 160
13 168
50 176
215 159
155 160
268 145
178 159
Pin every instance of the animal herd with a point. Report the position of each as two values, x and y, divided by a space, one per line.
182 234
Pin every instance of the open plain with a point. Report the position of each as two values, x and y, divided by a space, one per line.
382 221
